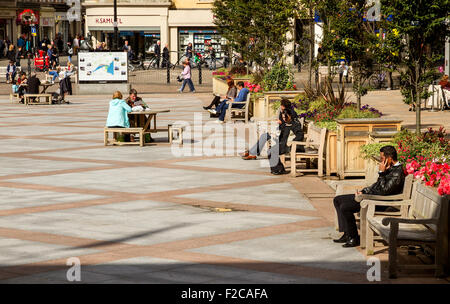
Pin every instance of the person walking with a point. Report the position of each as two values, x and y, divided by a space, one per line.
213 59
76 44
165 56
186 74
19 55
158 53
69 51
189 52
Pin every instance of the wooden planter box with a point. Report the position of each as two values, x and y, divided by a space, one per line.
353 133
331 153
220 86
262 106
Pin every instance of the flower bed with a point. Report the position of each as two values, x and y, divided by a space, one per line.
427 156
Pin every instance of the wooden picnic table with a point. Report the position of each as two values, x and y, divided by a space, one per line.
45 86
144 119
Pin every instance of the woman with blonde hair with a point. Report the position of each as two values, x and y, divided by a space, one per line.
11 54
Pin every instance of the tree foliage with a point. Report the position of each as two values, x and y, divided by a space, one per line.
256 29
420 27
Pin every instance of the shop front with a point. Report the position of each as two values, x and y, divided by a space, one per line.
141 26
202 39
27 22
47 24
7 28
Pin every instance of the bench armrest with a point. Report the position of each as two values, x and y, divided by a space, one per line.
368 202
397 197
398 220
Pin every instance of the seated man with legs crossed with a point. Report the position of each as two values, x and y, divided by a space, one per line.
242 96
391 178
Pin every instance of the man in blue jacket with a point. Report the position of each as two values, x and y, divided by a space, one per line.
241 97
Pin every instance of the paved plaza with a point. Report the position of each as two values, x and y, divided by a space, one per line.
146 215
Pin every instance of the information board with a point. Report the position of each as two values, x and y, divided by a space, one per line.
102 66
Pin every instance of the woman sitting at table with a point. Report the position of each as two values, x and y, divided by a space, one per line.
22 82
134 101
118 113
137 104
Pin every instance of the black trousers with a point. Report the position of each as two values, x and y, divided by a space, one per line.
346 207
215 102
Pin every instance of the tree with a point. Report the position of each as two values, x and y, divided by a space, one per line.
257 29
422 28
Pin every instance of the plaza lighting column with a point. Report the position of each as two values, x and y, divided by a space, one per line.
116 30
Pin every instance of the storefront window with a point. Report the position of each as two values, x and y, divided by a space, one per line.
201 40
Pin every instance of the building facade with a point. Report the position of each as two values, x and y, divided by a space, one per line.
47 17
142 23
8 29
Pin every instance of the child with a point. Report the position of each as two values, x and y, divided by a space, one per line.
10 72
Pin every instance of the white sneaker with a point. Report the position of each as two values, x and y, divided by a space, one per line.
219 121
212 111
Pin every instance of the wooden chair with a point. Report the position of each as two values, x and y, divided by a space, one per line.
315 140
424 221
234 114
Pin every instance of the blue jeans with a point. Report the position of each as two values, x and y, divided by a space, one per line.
190 84
13 76
54 74
222 109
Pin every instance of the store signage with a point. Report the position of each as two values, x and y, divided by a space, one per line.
198 31
27 17
47 21
107 20
33 31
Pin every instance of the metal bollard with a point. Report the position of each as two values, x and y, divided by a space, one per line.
200 73
168 70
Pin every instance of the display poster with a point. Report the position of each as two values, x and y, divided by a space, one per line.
102 66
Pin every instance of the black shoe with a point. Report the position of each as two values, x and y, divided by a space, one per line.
279 172
342 239
352 242
206 108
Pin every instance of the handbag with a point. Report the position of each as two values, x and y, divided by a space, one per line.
179 79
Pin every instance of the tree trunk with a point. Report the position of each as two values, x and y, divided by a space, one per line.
418 93
311 45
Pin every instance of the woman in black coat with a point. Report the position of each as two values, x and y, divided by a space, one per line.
288 121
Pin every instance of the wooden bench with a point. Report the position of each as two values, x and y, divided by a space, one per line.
424 222
179 129
14 97
234 114
27 97
315 141
139 131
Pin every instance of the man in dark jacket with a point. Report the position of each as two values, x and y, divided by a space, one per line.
158 53
165 56
390 181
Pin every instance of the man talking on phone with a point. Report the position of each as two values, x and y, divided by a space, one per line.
390 181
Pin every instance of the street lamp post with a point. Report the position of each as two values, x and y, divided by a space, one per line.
116 30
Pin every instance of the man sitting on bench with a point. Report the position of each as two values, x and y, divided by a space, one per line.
33 85
242 96
390 181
